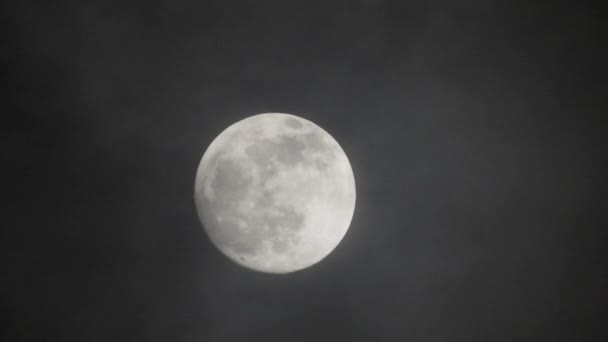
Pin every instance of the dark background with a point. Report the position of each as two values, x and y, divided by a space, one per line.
473 128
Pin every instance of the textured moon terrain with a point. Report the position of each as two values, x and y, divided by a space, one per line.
275 193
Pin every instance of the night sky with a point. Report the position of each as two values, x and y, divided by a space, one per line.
474 129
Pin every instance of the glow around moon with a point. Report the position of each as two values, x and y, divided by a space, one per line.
275 193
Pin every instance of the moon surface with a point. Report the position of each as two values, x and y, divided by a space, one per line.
275 193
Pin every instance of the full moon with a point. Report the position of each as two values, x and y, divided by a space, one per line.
275 193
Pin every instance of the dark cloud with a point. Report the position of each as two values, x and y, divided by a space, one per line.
474 129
